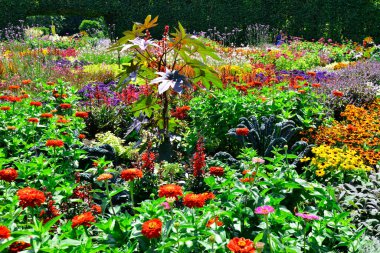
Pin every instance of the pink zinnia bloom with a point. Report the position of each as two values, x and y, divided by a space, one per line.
166 205
258 160
264 210
308 217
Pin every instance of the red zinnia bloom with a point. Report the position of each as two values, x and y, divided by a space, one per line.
18 246
316 85
28 81
192 200
4 97
14 87
8 175
217 171
54 143
33 120
5 233
63 121
152 228
35 103
208 195
337 93
65 106
30 197
241 245
24 96
81 136
82 115
131 174
96 209
214 220
84 219
5 108
14 99
170 190
242 131
46 115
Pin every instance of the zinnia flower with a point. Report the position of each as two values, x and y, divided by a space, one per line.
14 99
81 136
152 228
14 87
5 108
241 245
242 131
131 174
337 93
264 210
308 217
30 197
18 246
63 121
170 190
96 209
217 171
27 81
8 175
316 85
35 103
214 220
65 106
5 233
84 219
192 200
258 160
33 120
54 143
82 115
104 177
46 115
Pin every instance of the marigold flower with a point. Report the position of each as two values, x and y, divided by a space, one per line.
9 174
96 209
131 174
170 190
264 210
152 228
81 136
241 245
18 246
5 108
242 131
5 233
84 219
35 103
65 106
104 177
214 220
307 216
54 143
27 81
14 87
33 120
217 171
192 200
30 197
46 115
337 93
82 115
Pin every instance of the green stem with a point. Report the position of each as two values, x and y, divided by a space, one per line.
131 186
304 240
195 231
268 232
110 198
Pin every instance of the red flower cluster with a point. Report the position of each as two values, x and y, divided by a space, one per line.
170 190
8 175
148 158
180 112
82 115
214 220
337 93
216 171
51 212
14 99
18 246
84 219
65 106
54 143
35 103
316 85
30 197
131 174
241 245
242 131
152 228
199 159
63 121
5 233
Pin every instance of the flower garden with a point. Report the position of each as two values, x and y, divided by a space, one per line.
183 144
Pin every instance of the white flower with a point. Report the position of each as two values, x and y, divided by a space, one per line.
140 43
169 79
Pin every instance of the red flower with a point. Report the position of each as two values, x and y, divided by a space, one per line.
152 228
18 246
104 177
247 180
81 136
14 99
35 103
180 112
214 220
46 115
65 106
241 245
217 171
8 175
14 87
337 93
199 159
5 108
63 121
54 143
170 190
131 174
316 85
96 209
82 115
30 197
50 83
192 200
5 233
148 158
84 219
208 195
242 131
33 120
4 97
28 81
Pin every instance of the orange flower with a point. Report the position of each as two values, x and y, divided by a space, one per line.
35 103
14 87
337 93
242 131
104 177
5 233
152 228
46 115
131 174
50 83
170 190
214 220
96 209
11 128
8 175
14 99
241 245
217 171
5 108
247 180
84 219
208 195
316 85
63 121
65 106
81 136
192 200
18 246
54 143
33 120
30 197
82 115
25 82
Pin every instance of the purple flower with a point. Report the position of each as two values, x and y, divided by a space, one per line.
308 217
264 210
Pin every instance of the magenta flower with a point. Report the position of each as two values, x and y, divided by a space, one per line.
166 205
308 217
264 210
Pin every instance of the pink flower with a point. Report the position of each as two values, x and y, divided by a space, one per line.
264 210
308 217
258 160
166 205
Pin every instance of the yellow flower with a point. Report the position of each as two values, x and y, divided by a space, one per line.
320 173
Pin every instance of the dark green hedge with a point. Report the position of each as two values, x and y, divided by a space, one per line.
336 19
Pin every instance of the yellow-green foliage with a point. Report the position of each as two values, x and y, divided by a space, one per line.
96 68
127 152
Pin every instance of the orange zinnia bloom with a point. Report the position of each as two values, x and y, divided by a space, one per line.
170 191
46 115
104 177
131 174
5 108
54 143
8 175
337 93
192 200
81 115
241 245
5 233
152 228
35 103
33 120
30 197
28 81
65 106
84 219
